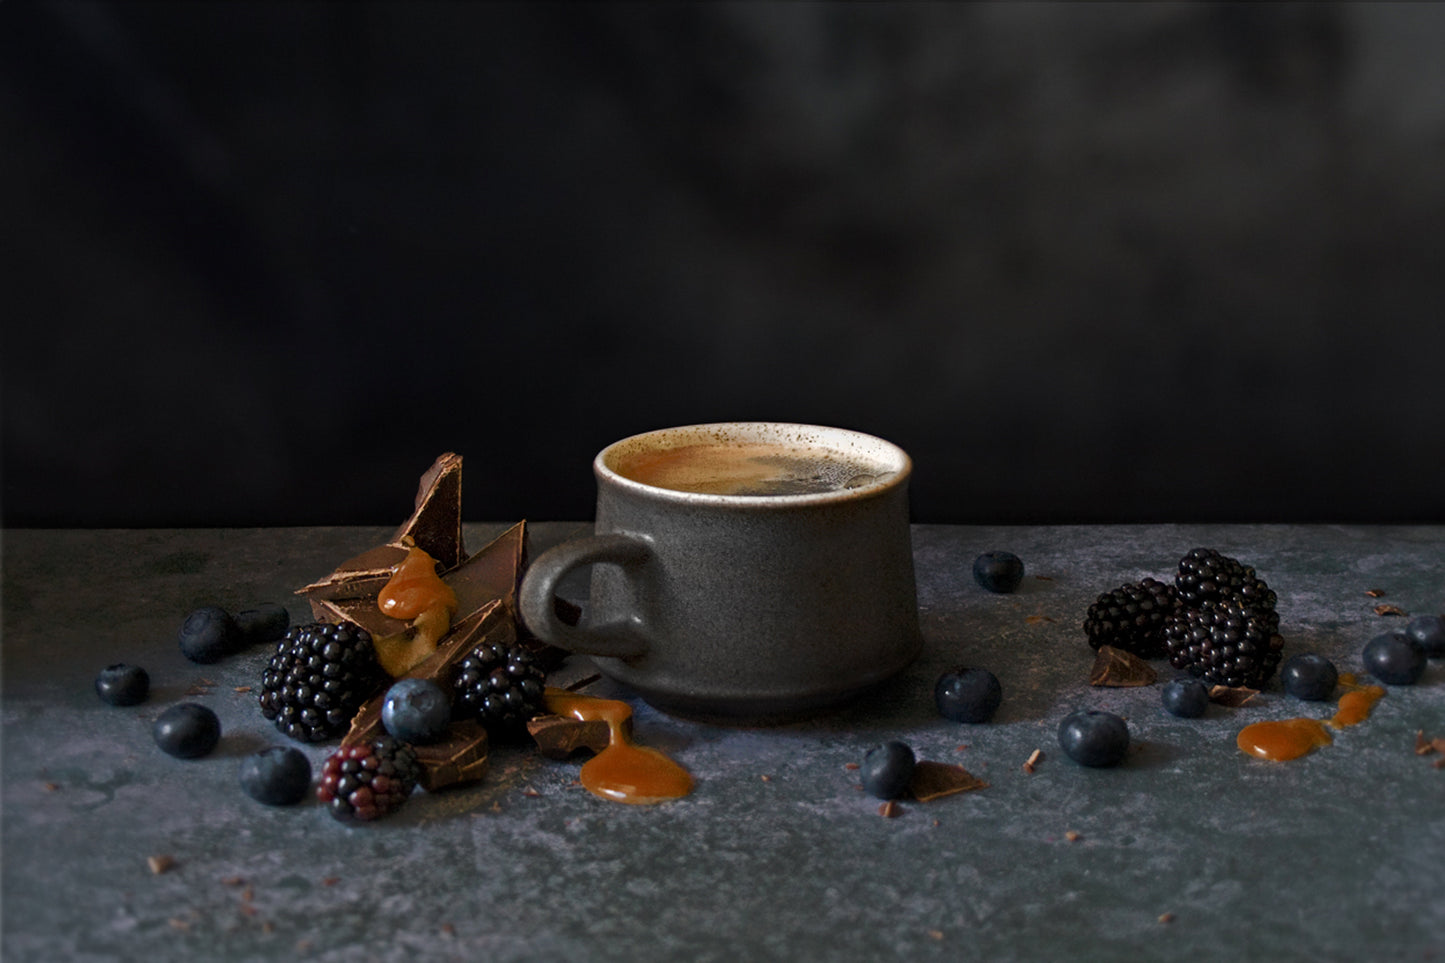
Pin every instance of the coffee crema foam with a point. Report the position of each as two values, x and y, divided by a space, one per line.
748 469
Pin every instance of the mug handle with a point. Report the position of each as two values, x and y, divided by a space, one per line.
620 640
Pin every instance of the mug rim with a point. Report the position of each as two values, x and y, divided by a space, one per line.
760 430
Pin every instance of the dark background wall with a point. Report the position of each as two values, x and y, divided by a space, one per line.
1124 262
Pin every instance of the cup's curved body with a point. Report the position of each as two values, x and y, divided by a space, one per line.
742 609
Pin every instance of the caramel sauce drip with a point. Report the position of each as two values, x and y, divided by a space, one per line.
1283 739
1356 704
415 594
623 771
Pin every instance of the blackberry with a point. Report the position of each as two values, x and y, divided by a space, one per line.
365 782
1132 618
1227 642
500 686
1207 576
318 679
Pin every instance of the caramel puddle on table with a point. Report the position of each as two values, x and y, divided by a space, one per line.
624 771
1283 739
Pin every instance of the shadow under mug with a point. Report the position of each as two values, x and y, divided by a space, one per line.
742 609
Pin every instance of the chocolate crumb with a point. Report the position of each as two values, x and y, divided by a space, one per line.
330 880
1375 593
1423 746
935 934
50 786
889 809
448 929
1073 836
1390 610
766 778
160 864
1036 619
531 793
1166 917
1232 696
933 780
851 765
242 688
1116 667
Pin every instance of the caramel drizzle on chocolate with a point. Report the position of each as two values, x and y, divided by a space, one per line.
623 771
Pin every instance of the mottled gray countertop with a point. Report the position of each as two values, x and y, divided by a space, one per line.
1189 850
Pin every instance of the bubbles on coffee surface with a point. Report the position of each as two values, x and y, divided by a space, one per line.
750 469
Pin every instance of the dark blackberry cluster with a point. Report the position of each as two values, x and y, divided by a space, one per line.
1132 618
1225 628
1206 575
318 679
365 782
500 686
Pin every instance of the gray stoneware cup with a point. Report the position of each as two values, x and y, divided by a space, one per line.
741 609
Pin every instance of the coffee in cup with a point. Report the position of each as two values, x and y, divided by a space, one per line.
745 572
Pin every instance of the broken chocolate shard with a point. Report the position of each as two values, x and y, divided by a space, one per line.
558 737
1116 667
462 757
932 780
1232 696
361 576
435 525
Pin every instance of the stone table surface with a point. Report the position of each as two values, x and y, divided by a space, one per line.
1188 850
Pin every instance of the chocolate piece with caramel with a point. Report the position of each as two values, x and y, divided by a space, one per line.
557 737
435 526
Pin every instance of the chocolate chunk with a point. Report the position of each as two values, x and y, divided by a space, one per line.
932 780
1116 667
1390 610
557 737
1232 696
461 757
436 524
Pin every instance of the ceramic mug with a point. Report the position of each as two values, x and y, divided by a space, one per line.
741 573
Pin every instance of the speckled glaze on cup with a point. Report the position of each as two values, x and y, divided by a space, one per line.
741 609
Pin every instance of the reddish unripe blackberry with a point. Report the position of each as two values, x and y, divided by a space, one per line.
365 782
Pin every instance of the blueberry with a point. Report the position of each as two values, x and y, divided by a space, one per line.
1395 658
416 711
265 623
1309 676
1185 698
887 770
208 635
278 776
1092 737
123 685
1429 631
998 571
187 731
968 695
